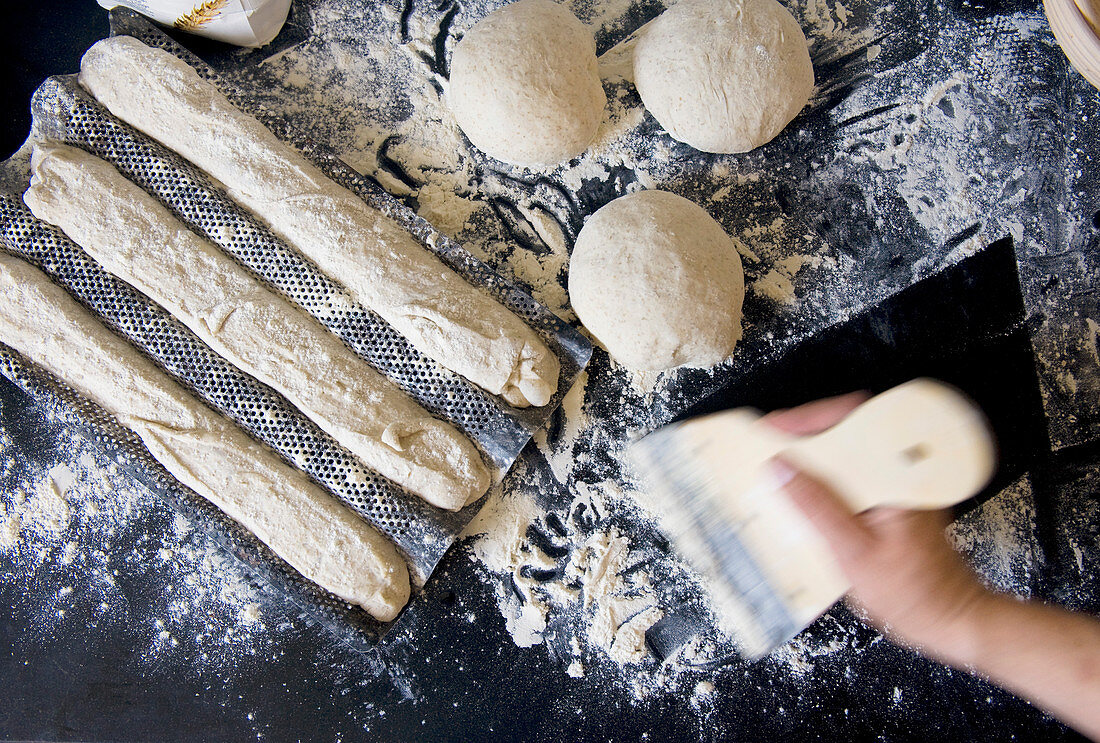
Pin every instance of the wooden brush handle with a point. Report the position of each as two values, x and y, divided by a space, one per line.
771 572
919 445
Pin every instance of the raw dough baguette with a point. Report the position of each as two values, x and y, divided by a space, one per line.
311 530
136 238
384 268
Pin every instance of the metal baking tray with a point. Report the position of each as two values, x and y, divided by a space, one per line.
64 112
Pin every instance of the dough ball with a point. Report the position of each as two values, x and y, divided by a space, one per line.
525 86
724 75
658 282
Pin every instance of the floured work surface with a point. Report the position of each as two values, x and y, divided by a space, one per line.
935 129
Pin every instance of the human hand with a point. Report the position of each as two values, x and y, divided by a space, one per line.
905 576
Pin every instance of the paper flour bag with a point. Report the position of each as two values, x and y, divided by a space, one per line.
241 22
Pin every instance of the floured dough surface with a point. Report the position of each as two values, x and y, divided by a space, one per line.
524 84
724 75
136 238
382 266
306 527
658 282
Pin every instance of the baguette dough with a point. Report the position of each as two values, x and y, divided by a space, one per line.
308 528
383 267
136 238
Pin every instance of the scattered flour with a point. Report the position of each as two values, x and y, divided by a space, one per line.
1091 342
69 531
999 538
595 578
776 286
575 575
45 511
778 283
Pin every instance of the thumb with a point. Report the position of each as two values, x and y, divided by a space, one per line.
845 533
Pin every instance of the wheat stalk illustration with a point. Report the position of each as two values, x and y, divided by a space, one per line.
200 15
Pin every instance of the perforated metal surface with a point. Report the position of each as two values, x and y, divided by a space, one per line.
419 529
64 112
501 440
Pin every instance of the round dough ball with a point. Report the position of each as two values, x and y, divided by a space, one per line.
525 87
724 75
656 280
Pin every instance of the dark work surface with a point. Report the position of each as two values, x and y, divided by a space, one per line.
977 342
41 39
441 676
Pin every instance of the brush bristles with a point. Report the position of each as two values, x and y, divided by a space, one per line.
693 514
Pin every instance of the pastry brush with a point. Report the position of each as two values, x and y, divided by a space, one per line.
920 445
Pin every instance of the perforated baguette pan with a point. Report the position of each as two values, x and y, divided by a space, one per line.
65 112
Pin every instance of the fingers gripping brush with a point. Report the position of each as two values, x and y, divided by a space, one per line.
920 445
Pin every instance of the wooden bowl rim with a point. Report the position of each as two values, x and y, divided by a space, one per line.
1076 37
